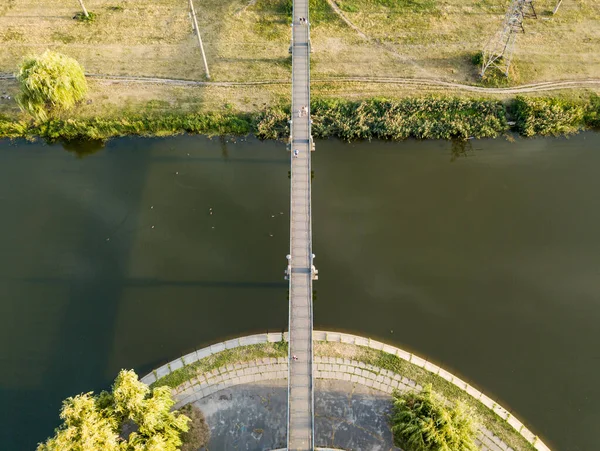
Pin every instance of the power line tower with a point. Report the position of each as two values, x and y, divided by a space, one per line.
499 50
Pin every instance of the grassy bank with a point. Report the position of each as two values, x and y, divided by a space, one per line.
223 358
420 118
422 377
363 354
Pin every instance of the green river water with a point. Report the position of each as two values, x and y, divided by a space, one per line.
485 260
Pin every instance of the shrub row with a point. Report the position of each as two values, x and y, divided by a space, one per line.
104 128
421 118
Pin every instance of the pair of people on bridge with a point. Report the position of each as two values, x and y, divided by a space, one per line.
302 20
303 111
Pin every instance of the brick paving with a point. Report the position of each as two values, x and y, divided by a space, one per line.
328 368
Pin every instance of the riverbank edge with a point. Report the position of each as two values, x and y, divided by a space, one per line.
214 361
429 117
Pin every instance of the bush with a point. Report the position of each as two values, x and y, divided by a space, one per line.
422 118
273 124
477 59
198 433
592 114
50 83
423 422
540 116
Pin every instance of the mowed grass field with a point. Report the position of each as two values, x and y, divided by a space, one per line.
248 40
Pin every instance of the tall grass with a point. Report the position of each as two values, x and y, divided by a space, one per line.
152 125
420 118
540 116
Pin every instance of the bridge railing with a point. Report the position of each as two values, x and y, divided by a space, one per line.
312 265
291 228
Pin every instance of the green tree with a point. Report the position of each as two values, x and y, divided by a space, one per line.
131 417
423 422
51 82
85 428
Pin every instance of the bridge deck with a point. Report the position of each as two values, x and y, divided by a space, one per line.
300 388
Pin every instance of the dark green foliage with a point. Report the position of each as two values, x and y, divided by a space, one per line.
273 124
424 422
592 113
422 118
541 116
198 433
287 7
91 17
477 59
104 128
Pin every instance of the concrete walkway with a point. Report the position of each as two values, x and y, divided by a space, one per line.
266 428
300 274
249 417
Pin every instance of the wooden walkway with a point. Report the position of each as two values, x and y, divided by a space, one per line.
300 260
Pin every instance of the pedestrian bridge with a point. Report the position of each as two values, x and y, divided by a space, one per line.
300 270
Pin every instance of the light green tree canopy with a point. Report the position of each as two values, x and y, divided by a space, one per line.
51 82
424 422
131 417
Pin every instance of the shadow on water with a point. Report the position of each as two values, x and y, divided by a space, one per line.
83 148
460 148
88 320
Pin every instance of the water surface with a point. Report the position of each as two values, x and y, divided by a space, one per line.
487 263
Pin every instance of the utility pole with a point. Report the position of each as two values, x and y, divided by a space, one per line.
85 13
499 50
193 13
557 6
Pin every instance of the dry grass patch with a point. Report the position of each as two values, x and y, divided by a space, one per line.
248 41
439 37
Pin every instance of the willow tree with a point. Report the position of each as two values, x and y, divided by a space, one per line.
50 83
131 417
424 422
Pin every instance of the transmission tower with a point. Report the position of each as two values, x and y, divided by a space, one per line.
499 50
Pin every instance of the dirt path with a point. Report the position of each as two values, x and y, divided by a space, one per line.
416 82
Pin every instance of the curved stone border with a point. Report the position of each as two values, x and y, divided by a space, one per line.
326 368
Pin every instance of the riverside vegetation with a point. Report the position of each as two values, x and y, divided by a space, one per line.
131 417
248 42
422 118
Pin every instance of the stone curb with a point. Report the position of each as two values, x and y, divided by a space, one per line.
328 368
